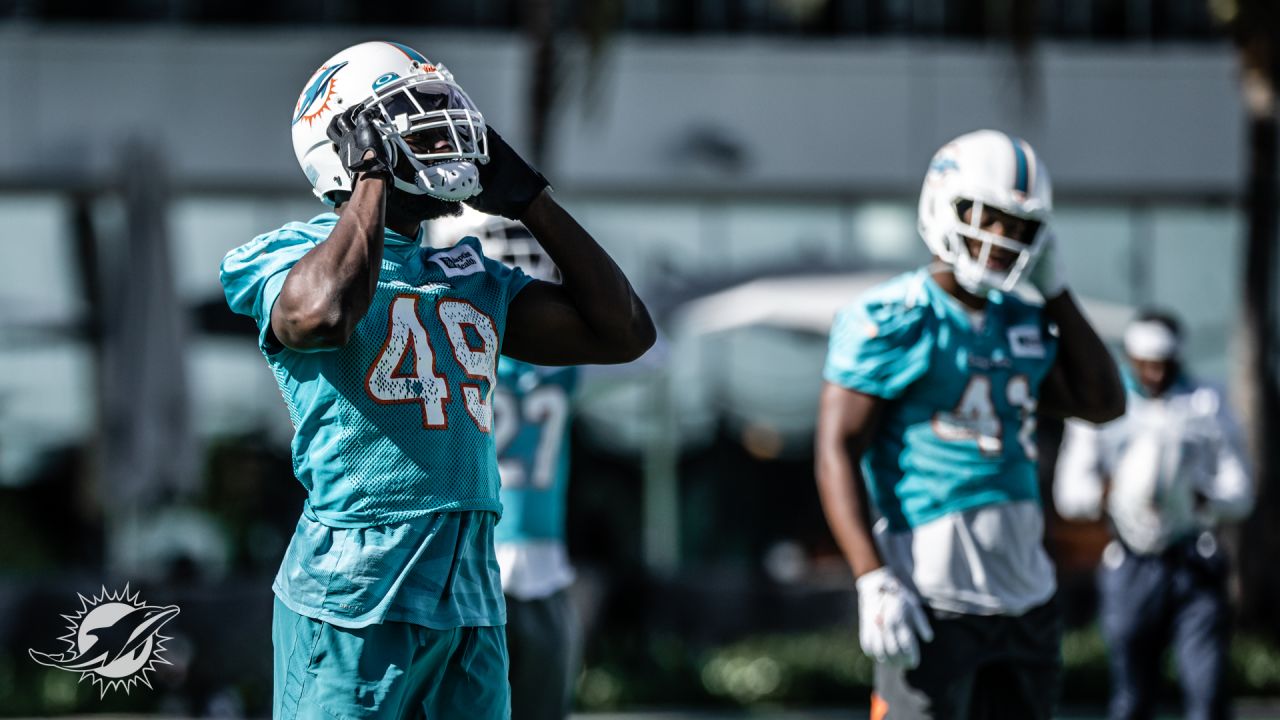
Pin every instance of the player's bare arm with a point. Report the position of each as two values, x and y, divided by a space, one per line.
329 290
593 315
1084 381
846 423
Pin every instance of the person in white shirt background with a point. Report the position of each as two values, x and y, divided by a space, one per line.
1166 474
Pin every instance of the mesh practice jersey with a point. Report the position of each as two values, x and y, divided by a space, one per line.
531 415
959 430
951 470
397 423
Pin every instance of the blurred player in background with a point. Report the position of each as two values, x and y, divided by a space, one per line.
531 409
1166 473
933 382
388 601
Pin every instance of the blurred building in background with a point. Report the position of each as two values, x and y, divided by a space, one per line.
752 165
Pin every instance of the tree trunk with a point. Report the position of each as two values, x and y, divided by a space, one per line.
540 26
1256 36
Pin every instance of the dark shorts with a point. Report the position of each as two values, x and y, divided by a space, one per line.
1177 600
978 668
542 640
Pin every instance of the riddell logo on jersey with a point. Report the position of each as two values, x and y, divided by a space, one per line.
1024 341
462 264
461 260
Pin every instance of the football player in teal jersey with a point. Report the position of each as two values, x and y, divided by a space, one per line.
531 411
388 601
926 454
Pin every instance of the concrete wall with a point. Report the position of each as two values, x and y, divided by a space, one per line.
667 115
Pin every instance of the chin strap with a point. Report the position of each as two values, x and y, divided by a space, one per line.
457 180
451 180
976 288
970 277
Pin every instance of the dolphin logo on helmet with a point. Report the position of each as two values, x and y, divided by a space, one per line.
322 85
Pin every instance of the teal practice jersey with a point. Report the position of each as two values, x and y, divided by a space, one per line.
958 431
531 429
397 423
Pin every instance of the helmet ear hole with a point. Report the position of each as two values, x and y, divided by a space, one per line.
1032 231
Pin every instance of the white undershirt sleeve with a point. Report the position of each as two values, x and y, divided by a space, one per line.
1077 482
1229 490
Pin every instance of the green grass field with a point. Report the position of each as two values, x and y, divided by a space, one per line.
1246 711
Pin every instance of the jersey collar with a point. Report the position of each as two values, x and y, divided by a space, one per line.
956 310
396 248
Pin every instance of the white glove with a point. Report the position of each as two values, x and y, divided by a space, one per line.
1047 276
889 620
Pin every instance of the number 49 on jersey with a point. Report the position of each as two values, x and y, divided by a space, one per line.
405 370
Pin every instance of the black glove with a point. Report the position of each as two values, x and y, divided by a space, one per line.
354 136
507 183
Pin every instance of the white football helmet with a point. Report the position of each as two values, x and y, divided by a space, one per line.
410 97
985 169
502 239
